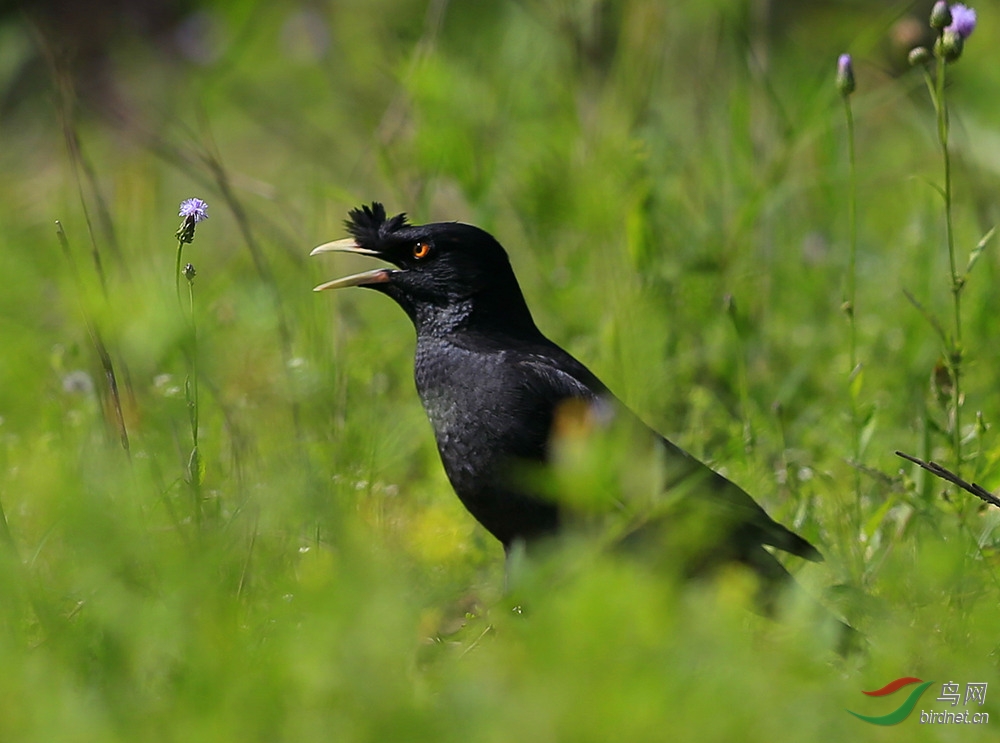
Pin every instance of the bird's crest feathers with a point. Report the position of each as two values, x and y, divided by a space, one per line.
369 226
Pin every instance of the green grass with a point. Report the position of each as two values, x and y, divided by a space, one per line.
641 166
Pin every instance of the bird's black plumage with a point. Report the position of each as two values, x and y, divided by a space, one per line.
494 386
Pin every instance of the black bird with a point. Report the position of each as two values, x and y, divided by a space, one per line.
497 392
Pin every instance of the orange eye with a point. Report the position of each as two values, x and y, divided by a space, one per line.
421 250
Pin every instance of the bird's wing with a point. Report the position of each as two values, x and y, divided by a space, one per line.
559 378
557 375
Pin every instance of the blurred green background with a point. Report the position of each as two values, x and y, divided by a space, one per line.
671 182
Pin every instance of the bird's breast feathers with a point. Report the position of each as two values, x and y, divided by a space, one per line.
501 403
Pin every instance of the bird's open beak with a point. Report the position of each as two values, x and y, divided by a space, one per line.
367 278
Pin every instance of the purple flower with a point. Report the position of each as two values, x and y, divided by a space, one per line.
195 208
963 20
845 75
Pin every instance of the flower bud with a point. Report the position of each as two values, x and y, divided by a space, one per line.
845 75
185 233
949 45
919 55
940 16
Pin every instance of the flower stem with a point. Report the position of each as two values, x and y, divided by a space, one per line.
852 222
853 382
954 355
177 270
191 395
194 368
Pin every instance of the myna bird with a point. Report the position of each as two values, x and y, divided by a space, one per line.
498 394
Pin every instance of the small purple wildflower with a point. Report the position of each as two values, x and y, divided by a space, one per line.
194 208
845 75
193 211
963 20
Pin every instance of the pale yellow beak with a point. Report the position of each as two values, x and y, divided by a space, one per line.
348 245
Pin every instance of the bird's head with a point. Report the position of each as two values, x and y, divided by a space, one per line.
440 269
